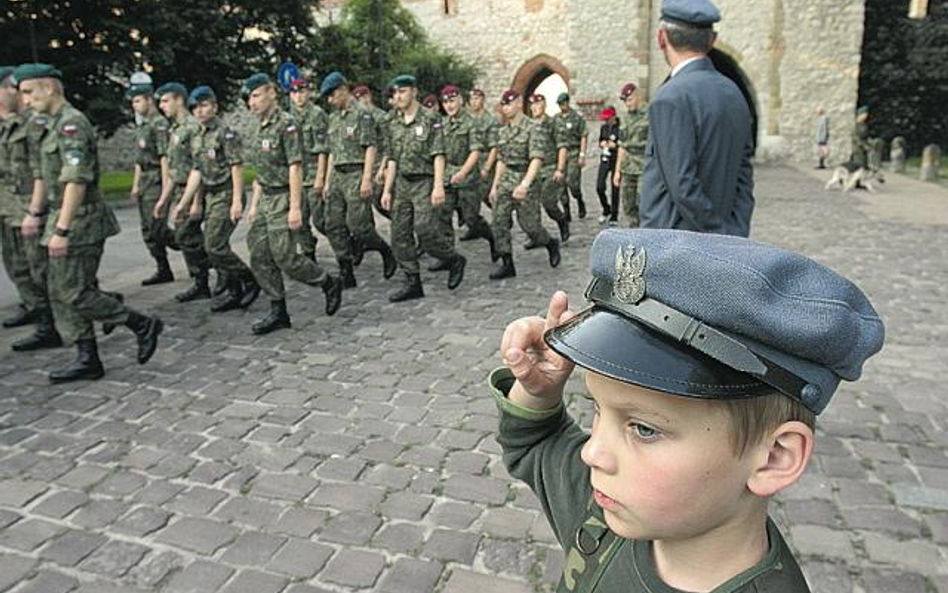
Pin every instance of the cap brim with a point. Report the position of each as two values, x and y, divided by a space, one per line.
618 347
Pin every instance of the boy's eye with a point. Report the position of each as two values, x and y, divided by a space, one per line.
643 432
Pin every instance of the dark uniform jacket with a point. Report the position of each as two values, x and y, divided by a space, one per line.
698 175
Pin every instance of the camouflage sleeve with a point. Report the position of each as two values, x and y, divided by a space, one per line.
581 129
34 136
539 142
492 136
560 136
368 130
437 145
161 138
194 148
476 139
292 143
76 139
233 147
320 133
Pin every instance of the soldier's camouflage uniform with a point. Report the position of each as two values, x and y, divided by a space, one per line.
551 192
414 147
490 129
187 232
351 132
69 155
275 249
519 144
151 144
215 149
313 123
382 120
25 260
462 136
570 130
633 135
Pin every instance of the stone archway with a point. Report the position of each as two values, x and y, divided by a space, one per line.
727 64
535 70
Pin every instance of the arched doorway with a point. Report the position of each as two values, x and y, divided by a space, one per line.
728 66
544 74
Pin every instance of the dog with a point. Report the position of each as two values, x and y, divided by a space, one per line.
849 177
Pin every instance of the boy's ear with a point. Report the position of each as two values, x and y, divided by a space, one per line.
781 458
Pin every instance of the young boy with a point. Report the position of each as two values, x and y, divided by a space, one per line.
708 358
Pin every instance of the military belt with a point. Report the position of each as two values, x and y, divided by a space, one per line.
269 190
412 177
518 168
349 168
216 186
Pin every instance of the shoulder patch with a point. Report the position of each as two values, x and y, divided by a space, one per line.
290 128
69 129
41 120
228 135
437 125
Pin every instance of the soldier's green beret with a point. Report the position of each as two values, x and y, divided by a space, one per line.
174 88
6 71
563 98
403 81
201 93
331 82
139 89
255 81
35 70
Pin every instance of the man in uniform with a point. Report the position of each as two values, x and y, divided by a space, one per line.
151 169
415 176
698 174
862 147
313 124
431 103
464 145
24 258
79 223
489 128
353 149
571 143
279 239
186 215
382 118
550 191
522 148
633 135
217 171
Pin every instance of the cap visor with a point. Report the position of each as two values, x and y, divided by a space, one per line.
613 345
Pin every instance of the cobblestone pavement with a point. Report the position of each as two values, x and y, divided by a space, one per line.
355 453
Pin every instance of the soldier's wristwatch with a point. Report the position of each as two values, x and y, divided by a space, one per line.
61 232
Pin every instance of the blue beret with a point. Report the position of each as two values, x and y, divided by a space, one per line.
403 80
174 88
201 93
562 98
6 71
862 109
331 82
139 89
35 70
253 82
716 316
696 13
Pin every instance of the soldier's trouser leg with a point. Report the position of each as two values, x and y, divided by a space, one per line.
17 263
317 209
469 199
403 228
265 269
37 257
551 195
360 221
630 199
528 217
74 293
288 249
428 220
336 230
218 229
444 214
190 239
574 175
502 221
377 200
155 231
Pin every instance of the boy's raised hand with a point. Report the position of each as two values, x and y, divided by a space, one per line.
541 373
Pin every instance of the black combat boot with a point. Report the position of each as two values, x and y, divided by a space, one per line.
277 319
146 332
504 269
553 249
439 265
389 264
45 335
347 274
332 289
219 286
23 316
86 366
494 254
582 207
162 275
411 289
566 212
249 291
456 271
564 230
108 327
531 245
357 249
198 291
230 300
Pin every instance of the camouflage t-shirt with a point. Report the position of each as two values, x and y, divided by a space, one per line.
545 128
522 142
415 144
277 143
215 148
314 124
633 135
351 131
462 136
180 162
19 145
570 129
151 141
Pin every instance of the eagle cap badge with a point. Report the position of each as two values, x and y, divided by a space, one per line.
629 285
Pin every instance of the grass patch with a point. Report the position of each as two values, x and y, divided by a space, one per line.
116 185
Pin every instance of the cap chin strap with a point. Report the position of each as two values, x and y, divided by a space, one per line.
703 338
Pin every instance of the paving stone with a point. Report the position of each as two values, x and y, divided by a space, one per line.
926 498
509 557
894 581
252 581
354 568
17 493
465 581
888 520
61 504
400 537
197 501
456 515
83 476
300 521
29 534
344 469
476 489
284 487
347 497
13 569
350 528
246 511
198 535
47 581
405 505
507 522
114 559
821 541
917 556
99 513
252 549
829 577
200 577
466 462
71 547
389 476
155 569
410 575
300 558
452 546
142 521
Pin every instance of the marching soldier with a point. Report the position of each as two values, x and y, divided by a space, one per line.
633 135
151 168
217 170
79 223
313 123
279 238
522 148
571 141
382 119
187 211
464 142
415 175
353 149
25 260
551 192
489 128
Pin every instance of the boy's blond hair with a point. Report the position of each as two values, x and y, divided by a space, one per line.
752 418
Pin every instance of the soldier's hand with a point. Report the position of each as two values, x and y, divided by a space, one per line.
196 211
159 209
558 177
294 219
380 176
617 178
484 174
387 201
58 246
135 194
236 211
365 189
251 214
581 162
541 373
30 226
458 179
492 196
520 192
437 196
320 191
